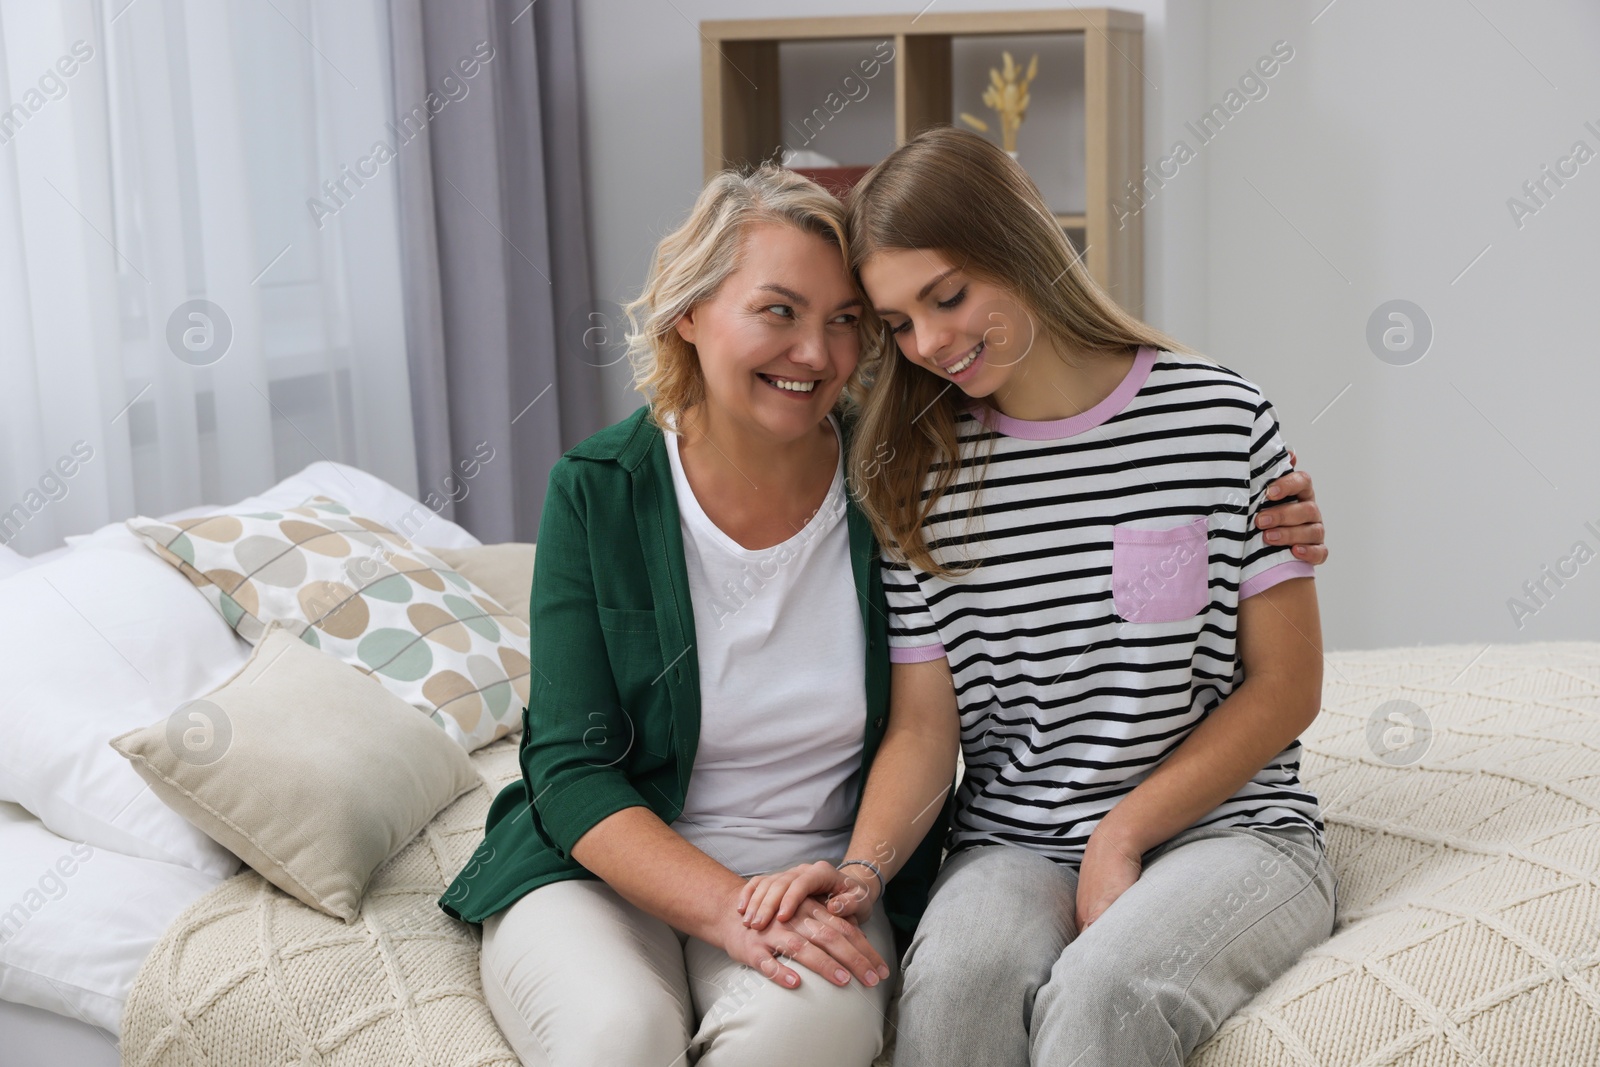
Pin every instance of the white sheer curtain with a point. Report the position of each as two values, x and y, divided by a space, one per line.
156 153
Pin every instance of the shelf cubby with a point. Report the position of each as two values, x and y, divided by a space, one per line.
743 108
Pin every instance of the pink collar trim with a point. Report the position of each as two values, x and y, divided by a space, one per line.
1055 429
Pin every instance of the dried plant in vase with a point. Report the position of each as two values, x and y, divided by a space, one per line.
1007 94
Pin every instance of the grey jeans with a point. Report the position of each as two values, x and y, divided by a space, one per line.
998 975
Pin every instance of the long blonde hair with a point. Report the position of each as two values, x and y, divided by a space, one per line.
693 261
955 193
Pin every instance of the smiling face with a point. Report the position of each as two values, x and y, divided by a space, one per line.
779 339
945 320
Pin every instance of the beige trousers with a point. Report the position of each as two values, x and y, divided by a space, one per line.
578 977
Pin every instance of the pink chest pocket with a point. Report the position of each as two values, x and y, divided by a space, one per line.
1160 575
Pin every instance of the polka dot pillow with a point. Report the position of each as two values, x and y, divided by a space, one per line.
363 593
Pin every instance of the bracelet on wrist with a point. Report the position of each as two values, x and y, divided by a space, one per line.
869 865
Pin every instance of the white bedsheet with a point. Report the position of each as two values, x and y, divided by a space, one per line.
12 562
77 922
33 1037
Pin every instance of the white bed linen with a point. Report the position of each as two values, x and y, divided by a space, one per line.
102 640
76 955
12 561
77 922
33 1037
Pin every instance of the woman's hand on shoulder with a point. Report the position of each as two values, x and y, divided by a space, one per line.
1297 523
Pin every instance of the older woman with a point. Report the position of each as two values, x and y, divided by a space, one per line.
711 680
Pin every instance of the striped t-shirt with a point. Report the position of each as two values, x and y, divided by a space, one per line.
1099 628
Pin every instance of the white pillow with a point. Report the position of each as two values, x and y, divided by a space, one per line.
94 643
79 921
365 494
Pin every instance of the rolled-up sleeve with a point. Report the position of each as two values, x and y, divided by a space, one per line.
1265 563
913 634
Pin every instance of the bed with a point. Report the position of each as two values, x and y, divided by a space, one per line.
71 944
1460 784
76 920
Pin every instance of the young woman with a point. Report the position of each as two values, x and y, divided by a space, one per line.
710 650
1083 600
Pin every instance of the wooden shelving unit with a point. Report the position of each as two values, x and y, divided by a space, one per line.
742 107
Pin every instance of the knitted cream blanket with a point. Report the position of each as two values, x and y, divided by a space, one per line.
1460 786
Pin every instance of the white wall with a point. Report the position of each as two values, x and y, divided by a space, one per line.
1382 157
1390 145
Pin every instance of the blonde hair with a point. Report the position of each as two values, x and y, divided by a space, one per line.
693 261
953 192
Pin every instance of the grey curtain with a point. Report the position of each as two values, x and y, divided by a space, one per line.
495 249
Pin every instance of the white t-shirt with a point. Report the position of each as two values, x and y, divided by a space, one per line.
782 659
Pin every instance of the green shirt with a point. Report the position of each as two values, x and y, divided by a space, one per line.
613 720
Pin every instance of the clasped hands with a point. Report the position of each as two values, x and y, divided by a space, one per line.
812 914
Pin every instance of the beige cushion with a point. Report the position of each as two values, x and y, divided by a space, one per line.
309 771
358 590
504 571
